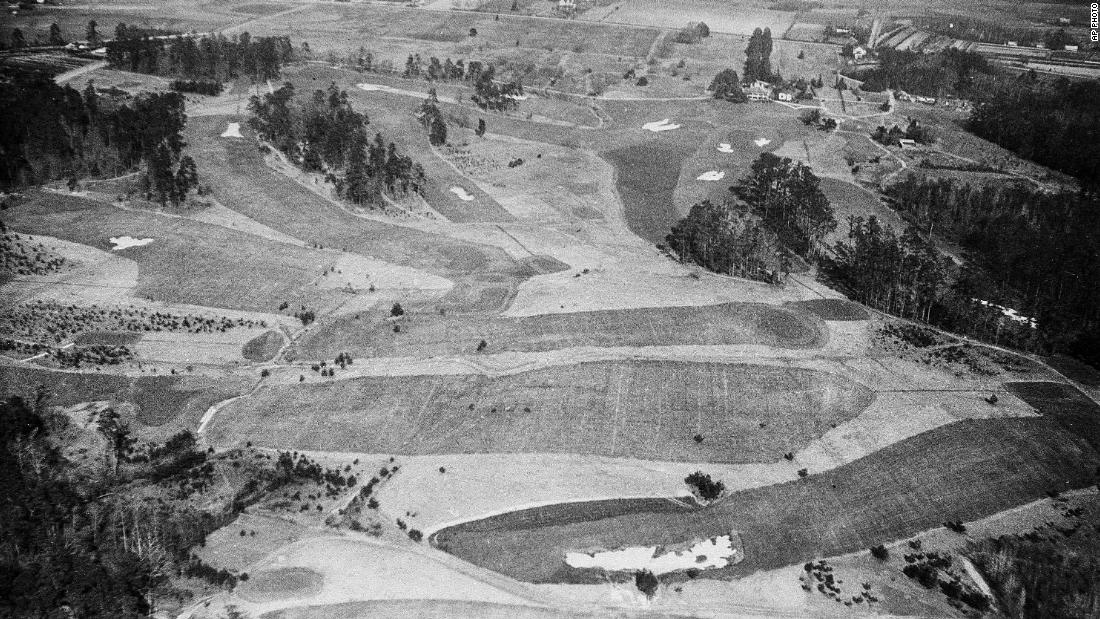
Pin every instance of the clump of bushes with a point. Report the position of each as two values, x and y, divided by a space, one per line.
702 484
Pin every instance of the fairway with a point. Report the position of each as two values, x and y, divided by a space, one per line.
958 472
646 176
644 409
426 334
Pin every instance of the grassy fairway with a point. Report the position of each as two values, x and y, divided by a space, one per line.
646 176
188 261
958 472
431 334
484 276
646 409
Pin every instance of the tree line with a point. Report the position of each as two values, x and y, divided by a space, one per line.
951 71
216 58
324 134
1054 122
50 132
1035 251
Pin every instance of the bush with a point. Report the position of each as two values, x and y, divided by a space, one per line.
397 310
879 552
646 582
415 535
704 486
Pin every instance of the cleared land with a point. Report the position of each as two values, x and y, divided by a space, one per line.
716 14
425 334
958 472
649 409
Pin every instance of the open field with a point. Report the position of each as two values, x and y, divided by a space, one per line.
431 334
715 14
993 465
631 409
233 169
429 609
188 262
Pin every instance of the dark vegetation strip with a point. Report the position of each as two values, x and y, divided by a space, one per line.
646 177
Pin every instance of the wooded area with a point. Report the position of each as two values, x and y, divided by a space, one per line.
324 134
215 58
49 132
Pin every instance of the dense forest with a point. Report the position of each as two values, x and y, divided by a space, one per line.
1034 251
208 58
725 239
49 132
72 545
1052 122
781 209
934 75
787 197
324 134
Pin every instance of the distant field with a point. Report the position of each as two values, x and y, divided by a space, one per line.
426 609
720 16
629 409
425 334
958 472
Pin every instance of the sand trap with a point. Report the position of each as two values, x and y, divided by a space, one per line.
660 125
122 242
1012 314
761 142
713 175
715 552
725 148
232 131
462 194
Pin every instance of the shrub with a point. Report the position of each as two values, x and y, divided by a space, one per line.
415 535
646 582
397 310
879 552
803 472
707 488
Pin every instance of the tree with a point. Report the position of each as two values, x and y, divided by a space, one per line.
90 33
397 310
480 131
646 582
18 41
787 196
707 488
726 86
758 56
437 134
55 35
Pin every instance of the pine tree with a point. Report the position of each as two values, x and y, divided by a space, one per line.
55 35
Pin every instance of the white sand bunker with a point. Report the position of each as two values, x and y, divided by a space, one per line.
761 142
462 194
379 88
660 125
716 552
725 148
713 175
232 131
122 242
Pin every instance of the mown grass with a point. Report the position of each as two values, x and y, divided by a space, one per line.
958 472
187 262
646 176
832 309
645 409
424 333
